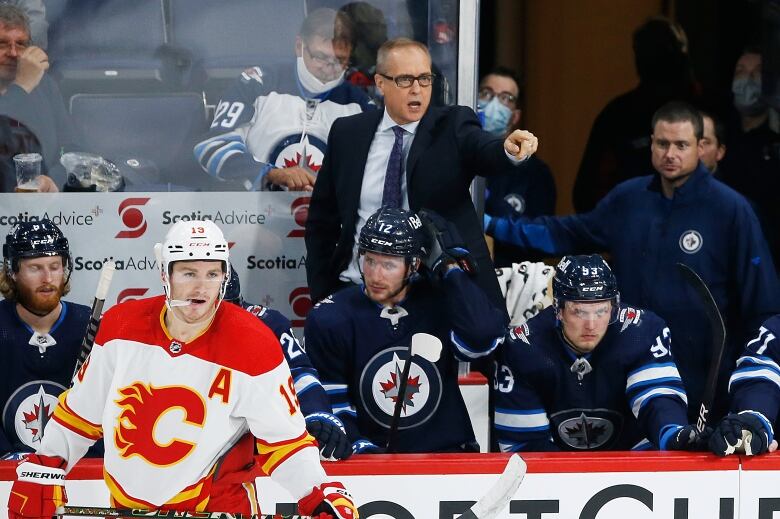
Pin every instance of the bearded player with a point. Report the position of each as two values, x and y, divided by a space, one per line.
41 333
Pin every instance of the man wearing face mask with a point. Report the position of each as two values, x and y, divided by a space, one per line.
753 161
270 127
507 193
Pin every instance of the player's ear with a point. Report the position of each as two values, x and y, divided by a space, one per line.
298 46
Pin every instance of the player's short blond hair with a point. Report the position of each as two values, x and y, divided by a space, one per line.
383 54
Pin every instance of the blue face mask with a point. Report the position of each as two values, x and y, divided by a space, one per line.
747 96
497 116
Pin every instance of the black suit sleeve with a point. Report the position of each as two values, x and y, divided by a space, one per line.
323 226
479 150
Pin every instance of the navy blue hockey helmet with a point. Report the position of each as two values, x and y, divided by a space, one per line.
233 290
584 278
34 239
392 231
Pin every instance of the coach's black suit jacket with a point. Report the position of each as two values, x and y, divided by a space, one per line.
449 147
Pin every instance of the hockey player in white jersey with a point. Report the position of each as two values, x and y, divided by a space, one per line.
182 388
270 127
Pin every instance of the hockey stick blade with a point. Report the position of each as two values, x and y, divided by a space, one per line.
502 491
106 275
715 321
74 511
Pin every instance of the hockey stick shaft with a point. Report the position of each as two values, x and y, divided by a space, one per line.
391 436
104 283
164 514
501 493
488 507
718 329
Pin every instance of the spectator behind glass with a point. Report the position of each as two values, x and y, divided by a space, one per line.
271 127
713 142
30 97
752 165
36 14
41 332
678 215
370 33
506 193
618 147
588 374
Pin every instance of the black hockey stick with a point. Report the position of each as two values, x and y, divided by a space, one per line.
715 321
106 274
488 506
426 346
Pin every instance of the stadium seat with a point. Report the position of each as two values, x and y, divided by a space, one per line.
110 46
150 136
224 38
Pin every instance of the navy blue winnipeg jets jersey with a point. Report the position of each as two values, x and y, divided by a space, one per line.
35 370
360 349
755 383
625 392
310 393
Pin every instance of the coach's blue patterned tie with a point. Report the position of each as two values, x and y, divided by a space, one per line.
391 196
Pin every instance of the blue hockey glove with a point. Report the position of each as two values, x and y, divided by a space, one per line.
747 431
445 245
330 435
366 447
684 438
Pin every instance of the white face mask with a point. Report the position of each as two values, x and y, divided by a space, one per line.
311 83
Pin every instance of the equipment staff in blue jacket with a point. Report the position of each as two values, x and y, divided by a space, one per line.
680 214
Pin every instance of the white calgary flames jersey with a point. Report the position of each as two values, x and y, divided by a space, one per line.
168 411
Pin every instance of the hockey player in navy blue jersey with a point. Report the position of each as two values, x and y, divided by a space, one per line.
359 338
754 388
323 425
681 214
41 334
589 373
271 126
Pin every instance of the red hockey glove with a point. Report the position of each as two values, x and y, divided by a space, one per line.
328 501
38 489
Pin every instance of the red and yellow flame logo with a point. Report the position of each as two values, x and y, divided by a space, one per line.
143 406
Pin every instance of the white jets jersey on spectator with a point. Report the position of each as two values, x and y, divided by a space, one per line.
267 121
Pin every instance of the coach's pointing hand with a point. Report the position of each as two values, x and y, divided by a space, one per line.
521 144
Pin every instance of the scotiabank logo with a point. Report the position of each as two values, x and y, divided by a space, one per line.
299 208
300 302
132 217
130 293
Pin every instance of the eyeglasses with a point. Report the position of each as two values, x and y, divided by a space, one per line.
324 60
406 80
6 45
487 94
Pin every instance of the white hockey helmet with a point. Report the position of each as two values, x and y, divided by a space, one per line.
192 240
